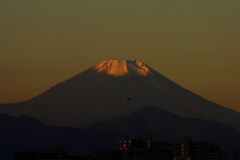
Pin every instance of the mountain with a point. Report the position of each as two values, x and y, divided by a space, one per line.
164 126
115 88
25 133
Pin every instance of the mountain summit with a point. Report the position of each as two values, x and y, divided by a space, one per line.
116 88
120 68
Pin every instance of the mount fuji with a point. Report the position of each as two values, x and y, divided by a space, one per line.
116 88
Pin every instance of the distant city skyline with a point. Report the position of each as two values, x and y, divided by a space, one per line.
193 43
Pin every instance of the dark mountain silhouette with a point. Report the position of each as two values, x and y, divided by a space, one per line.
25 133
165 126
115 88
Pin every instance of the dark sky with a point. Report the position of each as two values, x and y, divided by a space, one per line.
195 43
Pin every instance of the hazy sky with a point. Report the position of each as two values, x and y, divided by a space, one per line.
195 43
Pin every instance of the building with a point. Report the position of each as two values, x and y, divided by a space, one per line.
145 142
56 152
194 150
236 154
138 149
142 149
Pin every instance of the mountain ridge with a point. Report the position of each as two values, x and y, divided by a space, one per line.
25 133
164 126
93 95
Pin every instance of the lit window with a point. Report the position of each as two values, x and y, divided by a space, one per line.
120 148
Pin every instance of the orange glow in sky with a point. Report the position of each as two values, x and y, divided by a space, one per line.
193 43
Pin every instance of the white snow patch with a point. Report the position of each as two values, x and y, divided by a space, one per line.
122 67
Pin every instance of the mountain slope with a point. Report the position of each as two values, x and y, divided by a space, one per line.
165 126
25 133
115 88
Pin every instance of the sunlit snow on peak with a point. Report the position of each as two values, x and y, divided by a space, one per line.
122 67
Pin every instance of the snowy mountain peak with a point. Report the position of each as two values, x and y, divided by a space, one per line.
122 67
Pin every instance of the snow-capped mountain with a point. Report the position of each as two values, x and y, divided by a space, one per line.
115 88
